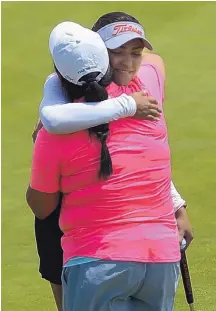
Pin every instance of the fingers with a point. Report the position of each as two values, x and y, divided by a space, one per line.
152 118
153 104
154 113
147 107
153 101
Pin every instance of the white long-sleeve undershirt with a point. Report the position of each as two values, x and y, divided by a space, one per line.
60 117
177 200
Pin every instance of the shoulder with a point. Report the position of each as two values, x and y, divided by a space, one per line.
152 75
156 60
53 92
52 81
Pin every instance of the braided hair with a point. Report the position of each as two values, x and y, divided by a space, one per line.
93 91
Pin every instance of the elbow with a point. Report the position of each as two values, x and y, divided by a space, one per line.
51 126
41 217
50 123
55 121
42 204
40 214
36 209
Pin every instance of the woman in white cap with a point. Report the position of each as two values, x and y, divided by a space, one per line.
120 238
59 118
77 117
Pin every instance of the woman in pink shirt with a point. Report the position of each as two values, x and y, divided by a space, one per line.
61 117
120 236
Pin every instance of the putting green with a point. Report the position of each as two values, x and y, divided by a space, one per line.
184 34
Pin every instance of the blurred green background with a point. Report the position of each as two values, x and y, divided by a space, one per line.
184 34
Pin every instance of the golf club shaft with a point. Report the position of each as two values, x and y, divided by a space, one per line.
191 307
186 280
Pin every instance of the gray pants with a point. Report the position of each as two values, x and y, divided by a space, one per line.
120 286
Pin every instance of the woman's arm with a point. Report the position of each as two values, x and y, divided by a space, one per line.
183 222
177 200
42 204
43 192
74 117
60 117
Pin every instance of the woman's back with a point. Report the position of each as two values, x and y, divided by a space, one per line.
99 216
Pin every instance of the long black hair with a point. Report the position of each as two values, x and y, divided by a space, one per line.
113 17
93 91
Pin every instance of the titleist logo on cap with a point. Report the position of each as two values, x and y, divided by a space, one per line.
125 28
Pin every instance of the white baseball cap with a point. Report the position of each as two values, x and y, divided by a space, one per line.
116 34
78 51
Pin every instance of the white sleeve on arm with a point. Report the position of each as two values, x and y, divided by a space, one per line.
177 200
60 117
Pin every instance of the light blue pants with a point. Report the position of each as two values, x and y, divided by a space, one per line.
120 286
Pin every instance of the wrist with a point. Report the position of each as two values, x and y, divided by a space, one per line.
131 106
181 211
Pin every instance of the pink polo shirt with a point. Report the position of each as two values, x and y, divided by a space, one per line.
130 216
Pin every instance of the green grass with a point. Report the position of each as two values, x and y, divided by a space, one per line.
184 34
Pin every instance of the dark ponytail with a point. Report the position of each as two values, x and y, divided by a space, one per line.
93 91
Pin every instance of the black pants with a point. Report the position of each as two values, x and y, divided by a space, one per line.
48 239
